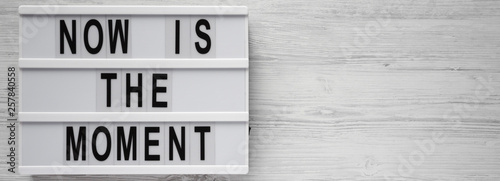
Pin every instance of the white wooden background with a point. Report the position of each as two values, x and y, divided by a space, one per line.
349 89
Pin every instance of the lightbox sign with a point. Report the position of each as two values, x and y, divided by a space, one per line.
133 90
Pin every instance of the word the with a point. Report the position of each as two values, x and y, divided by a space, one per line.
136 89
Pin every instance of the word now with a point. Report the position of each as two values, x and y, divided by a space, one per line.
118 30
76 143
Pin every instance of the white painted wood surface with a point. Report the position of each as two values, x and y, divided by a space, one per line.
349 89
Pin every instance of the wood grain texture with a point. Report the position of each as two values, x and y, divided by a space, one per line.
352 89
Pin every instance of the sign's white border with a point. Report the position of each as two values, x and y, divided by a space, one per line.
133 63
125 63
133 10
133 116
143 169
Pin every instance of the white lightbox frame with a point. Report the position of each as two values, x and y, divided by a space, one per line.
193 63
